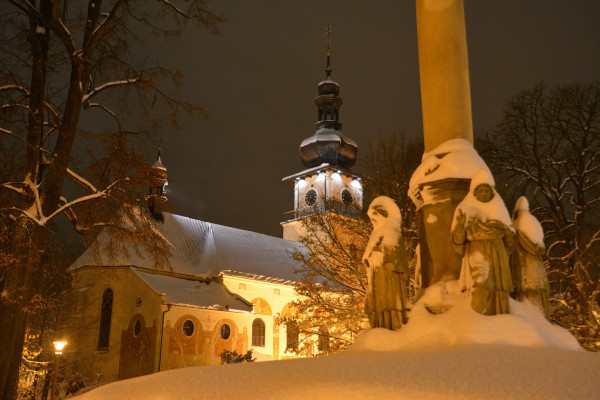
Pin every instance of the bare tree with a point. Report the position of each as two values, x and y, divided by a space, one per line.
547 146
60 61
333 285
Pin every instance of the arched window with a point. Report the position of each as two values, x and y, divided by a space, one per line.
258 333
105 317
293 336
323 344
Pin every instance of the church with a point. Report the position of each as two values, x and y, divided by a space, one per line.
223 288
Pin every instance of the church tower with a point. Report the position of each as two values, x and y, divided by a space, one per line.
327 185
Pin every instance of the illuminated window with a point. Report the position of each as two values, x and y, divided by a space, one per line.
293 336
258 333
323 343
105 317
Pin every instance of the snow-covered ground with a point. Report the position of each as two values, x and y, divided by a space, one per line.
456 355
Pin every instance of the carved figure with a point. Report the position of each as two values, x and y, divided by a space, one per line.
527 267
387 267
481 233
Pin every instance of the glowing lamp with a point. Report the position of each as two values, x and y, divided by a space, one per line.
58 347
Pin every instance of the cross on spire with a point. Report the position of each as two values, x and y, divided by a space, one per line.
328 31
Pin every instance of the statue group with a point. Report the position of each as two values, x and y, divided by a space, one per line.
501 255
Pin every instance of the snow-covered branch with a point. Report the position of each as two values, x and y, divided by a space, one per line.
109 85
108 111
103 193
81 181
103 27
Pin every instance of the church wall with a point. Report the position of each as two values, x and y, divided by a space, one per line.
277 296
203 344
132 351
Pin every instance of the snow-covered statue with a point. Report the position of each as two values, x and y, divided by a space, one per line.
527 267
481 233
387 266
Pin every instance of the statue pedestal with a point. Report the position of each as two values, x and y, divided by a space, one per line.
439 261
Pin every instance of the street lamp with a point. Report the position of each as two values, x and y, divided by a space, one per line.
58 348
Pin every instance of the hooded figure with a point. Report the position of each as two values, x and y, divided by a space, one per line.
481 233
527 267
387 266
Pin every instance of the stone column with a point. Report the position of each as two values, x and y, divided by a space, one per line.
444 71
446 102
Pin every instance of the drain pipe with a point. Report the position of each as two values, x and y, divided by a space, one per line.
162 332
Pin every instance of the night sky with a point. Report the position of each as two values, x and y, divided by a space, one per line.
259 79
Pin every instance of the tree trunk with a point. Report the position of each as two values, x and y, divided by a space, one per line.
27 243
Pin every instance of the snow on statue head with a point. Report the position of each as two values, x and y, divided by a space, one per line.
522 204
384 211
524 222
483 201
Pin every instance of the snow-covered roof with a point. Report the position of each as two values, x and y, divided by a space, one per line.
204 249
259 277
179 291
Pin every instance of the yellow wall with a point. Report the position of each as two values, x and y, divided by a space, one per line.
89 286
129 355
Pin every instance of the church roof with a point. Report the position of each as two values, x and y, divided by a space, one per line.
178 291
203 249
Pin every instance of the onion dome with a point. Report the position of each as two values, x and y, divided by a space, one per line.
328 86
328 144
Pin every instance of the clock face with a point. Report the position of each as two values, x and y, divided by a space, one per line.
311 197
346 197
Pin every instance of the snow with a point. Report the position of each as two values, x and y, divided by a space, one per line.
461 326
526 223
387 230
455 158
456 355
432 218
495 209
194 293
204 249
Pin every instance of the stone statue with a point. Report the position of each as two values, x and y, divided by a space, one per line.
527 267
387 267
481 233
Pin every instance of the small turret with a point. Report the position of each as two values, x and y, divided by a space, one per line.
157 199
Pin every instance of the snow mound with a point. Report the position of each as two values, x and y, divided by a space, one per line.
474 372
460 326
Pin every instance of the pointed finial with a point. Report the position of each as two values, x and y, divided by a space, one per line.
328 41
158 163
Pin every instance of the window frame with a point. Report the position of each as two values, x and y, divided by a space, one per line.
106 304
258 333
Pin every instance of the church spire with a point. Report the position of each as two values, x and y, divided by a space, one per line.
328 144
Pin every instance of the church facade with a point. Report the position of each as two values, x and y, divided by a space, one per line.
224 289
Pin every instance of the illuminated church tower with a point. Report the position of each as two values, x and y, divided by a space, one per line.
327 185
